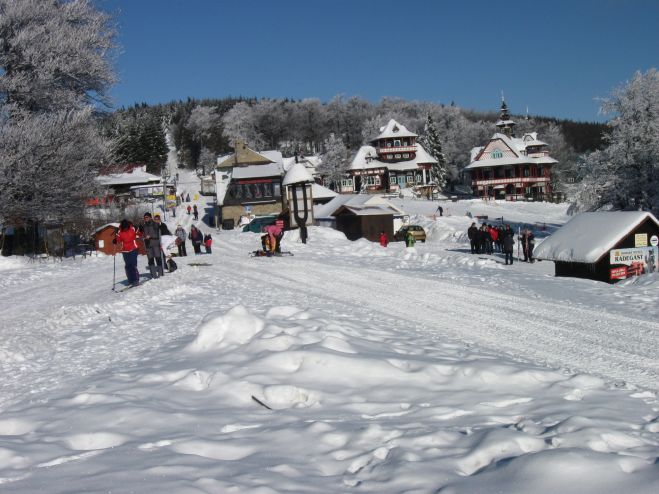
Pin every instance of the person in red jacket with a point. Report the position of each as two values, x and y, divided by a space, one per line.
384 240
126 241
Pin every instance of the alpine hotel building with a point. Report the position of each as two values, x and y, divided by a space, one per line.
509 167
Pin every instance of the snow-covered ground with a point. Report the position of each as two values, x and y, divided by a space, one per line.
376 370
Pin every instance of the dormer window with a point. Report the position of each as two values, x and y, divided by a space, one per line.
395 129
496 154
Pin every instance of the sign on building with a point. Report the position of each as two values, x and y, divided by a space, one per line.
633 262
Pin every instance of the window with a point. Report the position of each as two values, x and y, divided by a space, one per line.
388 144
406 155
397 143
276 189
390 156
372 180
346 182
527 172
397 156
392 179
496 154
419 179
410 178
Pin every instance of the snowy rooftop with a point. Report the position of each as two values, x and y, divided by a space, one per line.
394 129
320 192
359 162
352 200
136 176
589 236
517 145
256 171
370 209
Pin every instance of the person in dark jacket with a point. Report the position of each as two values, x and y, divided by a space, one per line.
197 239
508 244
471 233
528 243
150 231
195 212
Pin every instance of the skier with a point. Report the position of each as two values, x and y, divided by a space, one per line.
189 208
195 212
126 240
151 233
274 234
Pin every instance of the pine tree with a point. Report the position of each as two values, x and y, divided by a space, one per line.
432 144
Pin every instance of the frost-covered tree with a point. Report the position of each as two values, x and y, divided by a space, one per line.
54 68
625 174
432 144
335 161
239 122
45 163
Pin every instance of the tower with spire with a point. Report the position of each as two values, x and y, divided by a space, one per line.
505 124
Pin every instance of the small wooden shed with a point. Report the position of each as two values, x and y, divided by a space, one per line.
365 221
604 246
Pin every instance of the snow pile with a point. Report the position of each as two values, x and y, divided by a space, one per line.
301 398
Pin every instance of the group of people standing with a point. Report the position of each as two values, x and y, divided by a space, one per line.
151 231
487 239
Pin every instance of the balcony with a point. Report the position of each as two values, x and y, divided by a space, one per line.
397 149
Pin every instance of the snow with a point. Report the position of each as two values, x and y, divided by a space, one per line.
394 129
297 174
589 236
423 369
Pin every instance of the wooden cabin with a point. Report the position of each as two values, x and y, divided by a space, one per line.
604 246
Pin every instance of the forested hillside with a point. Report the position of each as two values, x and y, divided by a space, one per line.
203 129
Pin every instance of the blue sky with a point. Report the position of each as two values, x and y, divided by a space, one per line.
554 57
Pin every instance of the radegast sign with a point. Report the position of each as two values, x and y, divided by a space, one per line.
633 262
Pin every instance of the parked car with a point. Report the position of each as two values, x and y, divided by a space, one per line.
417 231
257 224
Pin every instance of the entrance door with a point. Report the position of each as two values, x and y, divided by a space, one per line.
401 181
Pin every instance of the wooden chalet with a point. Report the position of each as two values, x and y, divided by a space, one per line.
393 161
249 181
511 168
604 246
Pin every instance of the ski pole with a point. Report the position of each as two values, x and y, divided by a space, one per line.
114 268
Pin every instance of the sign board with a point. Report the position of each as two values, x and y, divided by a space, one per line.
654 240
636 261
641 240
619 273
101 244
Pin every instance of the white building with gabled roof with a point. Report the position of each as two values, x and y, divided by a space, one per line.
392 161
509 167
